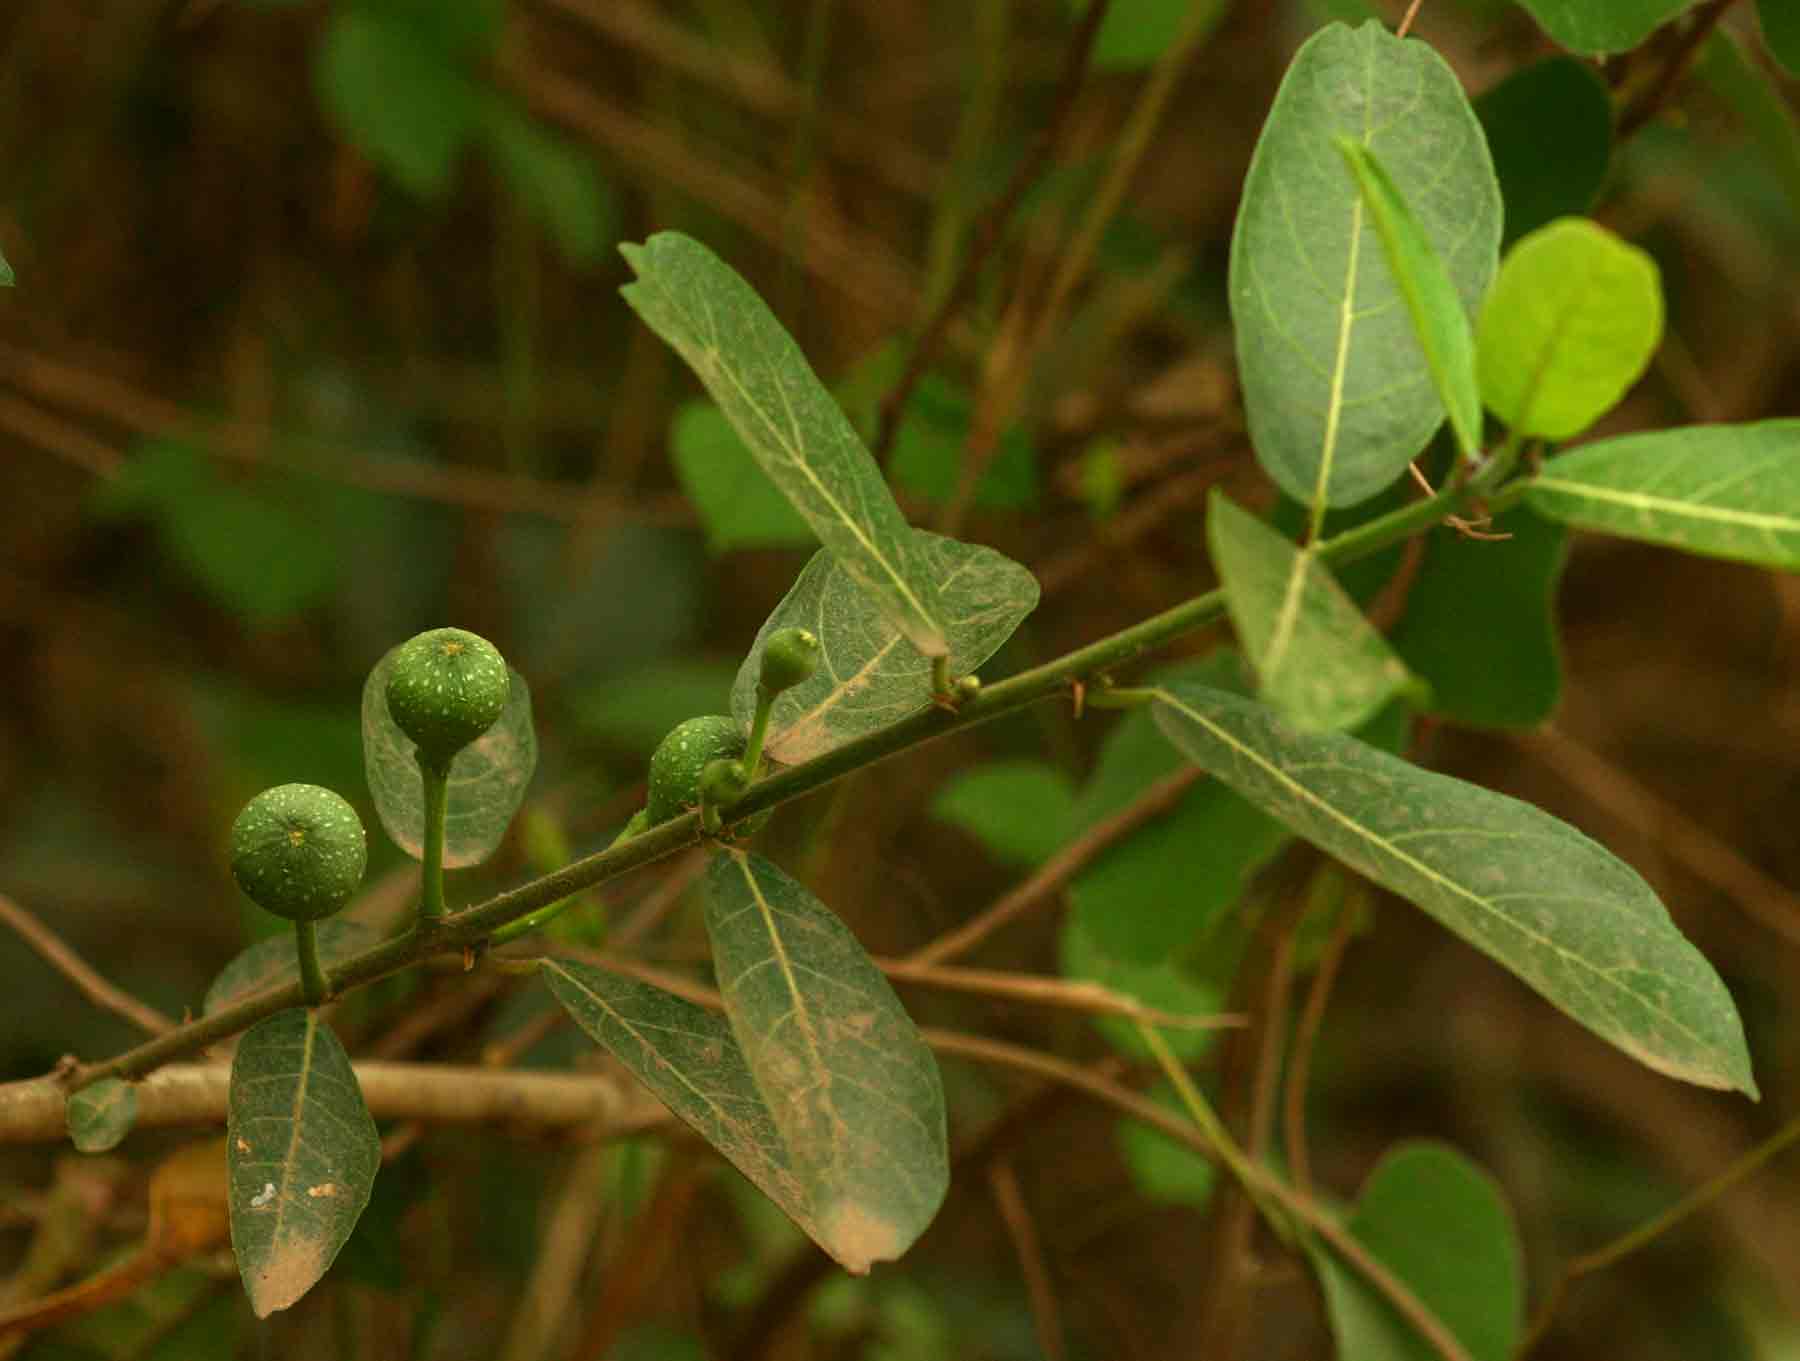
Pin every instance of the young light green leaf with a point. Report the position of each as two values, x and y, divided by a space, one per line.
738 506
1533 893
1022 811
1335 390
690 1059
273 962
100 1115
302 1154
1723 491
487 778
1162 1169
1439 1223
800 436
866 678
851 1085
1317 657
1780 21
1440 323
1597 27
1571 323
1550 130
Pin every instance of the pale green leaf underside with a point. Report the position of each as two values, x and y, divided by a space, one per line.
487 778
798 433
1336 389
1439 1223
1560 911
1725 491
850 1083
1317 657
100 1115
302 1153
1570 324
867 676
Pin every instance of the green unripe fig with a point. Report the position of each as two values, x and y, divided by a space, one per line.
299 851
445 689
722 784
678 762
789 657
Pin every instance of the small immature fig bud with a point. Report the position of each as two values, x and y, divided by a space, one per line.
299 851
724 782
679 760
789 657
447 687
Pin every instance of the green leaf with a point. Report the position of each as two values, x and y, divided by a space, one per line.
1022 811
800 436
1176 876
1335 391
100 1115
1531 892
636 709
554 179
867 678
1135 33
487 779
1571 323
1439 1223
1597 27
1165 1171
271 963
851 1085
405 103
1723 491
1480 623
1549 128
302 1154
1780 21
1747 88
928 452
1440 323
739 507
1164 985
1317 658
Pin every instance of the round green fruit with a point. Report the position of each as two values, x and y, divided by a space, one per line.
445 689
789 658
299 851
683 756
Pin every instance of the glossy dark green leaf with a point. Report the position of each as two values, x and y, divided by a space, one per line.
852 1087
1480 623
1780 21
101 1114
1549 127
1595 28
1723 491
1534 894
1439 1223
929 450
1336 389
1022 811
273 962
301 1151
739 507
488 778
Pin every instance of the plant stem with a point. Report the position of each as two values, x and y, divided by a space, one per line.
759 732
437 806
313 987
940 676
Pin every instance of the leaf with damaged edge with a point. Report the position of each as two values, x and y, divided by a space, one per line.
1534 894
302 1154
866 678
798 433
840 1065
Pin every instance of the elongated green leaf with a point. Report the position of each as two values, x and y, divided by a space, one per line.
1336 390
690 1059
1317 658
302 1154
800 436
487 779
1022 811
852 1087
1549 127
1571 323
1724 491
404 102
1780 21
272 962
1439 1223
867 677
1543 900
1440 324
100 1115
1597 27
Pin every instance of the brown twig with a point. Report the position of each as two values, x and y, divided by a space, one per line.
1306 1038
67 442
1060 868
1406 20
1034 989
1009 1199
71 965
991 229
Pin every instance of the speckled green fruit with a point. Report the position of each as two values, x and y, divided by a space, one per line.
446 688
789 659
681 758
299 851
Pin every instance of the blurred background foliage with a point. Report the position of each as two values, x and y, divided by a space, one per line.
316 344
